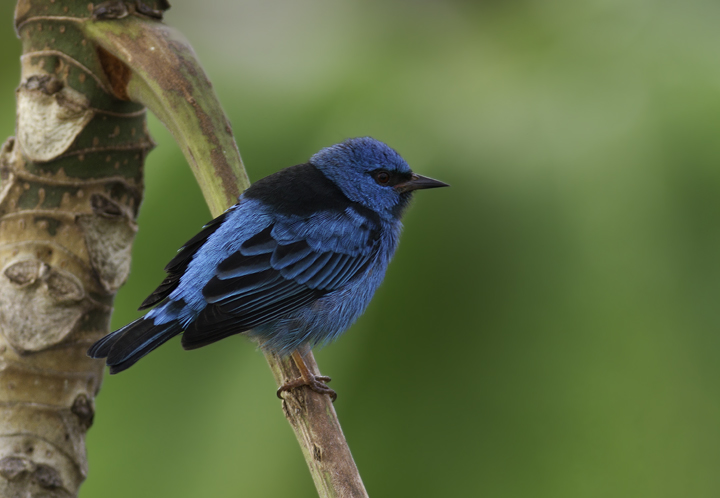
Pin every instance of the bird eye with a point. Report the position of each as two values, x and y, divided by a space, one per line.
382 177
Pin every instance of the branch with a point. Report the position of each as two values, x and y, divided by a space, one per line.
317 428
150 63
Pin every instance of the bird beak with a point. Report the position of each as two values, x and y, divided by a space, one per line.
418 182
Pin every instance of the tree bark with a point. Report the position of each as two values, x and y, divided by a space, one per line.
71 188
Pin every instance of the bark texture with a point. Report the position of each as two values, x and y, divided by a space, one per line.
70 192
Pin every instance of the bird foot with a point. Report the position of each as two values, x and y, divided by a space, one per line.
315 382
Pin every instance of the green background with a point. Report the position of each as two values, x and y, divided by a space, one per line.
549 326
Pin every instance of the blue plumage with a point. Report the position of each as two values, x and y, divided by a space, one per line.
293 264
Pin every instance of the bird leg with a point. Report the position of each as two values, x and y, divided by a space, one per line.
307 378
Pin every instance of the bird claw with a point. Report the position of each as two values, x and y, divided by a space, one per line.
316 383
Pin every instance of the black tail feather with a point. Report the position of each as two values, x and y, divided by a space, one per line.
124 347
102 348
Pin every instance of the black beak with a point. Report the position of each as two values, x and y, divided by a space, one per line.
418 182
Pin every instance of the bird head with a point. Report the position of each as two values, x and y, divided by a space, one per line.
373 174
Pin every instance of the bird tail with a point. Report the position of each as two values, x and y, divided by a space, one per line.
128 344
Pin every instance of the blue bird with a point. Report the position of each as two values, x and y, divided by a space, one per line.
292 265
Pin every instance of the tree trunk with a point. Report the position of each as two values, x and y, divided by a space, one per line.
71 188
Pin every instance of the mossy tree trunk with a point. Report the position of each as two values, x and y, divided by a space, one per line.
71 185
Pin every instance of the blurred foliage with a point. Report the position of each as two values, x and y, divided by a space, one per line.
549 327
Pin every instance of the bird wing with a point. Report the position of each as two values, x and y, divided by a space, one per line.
177 266
287 265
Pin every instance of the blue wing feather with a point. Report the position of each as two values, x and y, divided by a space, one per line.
312 270
326 271
260 243
287 255
218 289
238 265
278 270
292 272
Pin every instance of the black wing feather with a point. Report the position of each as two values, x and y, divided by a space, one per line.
260 243
238 265
280 290
214 324
218 289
